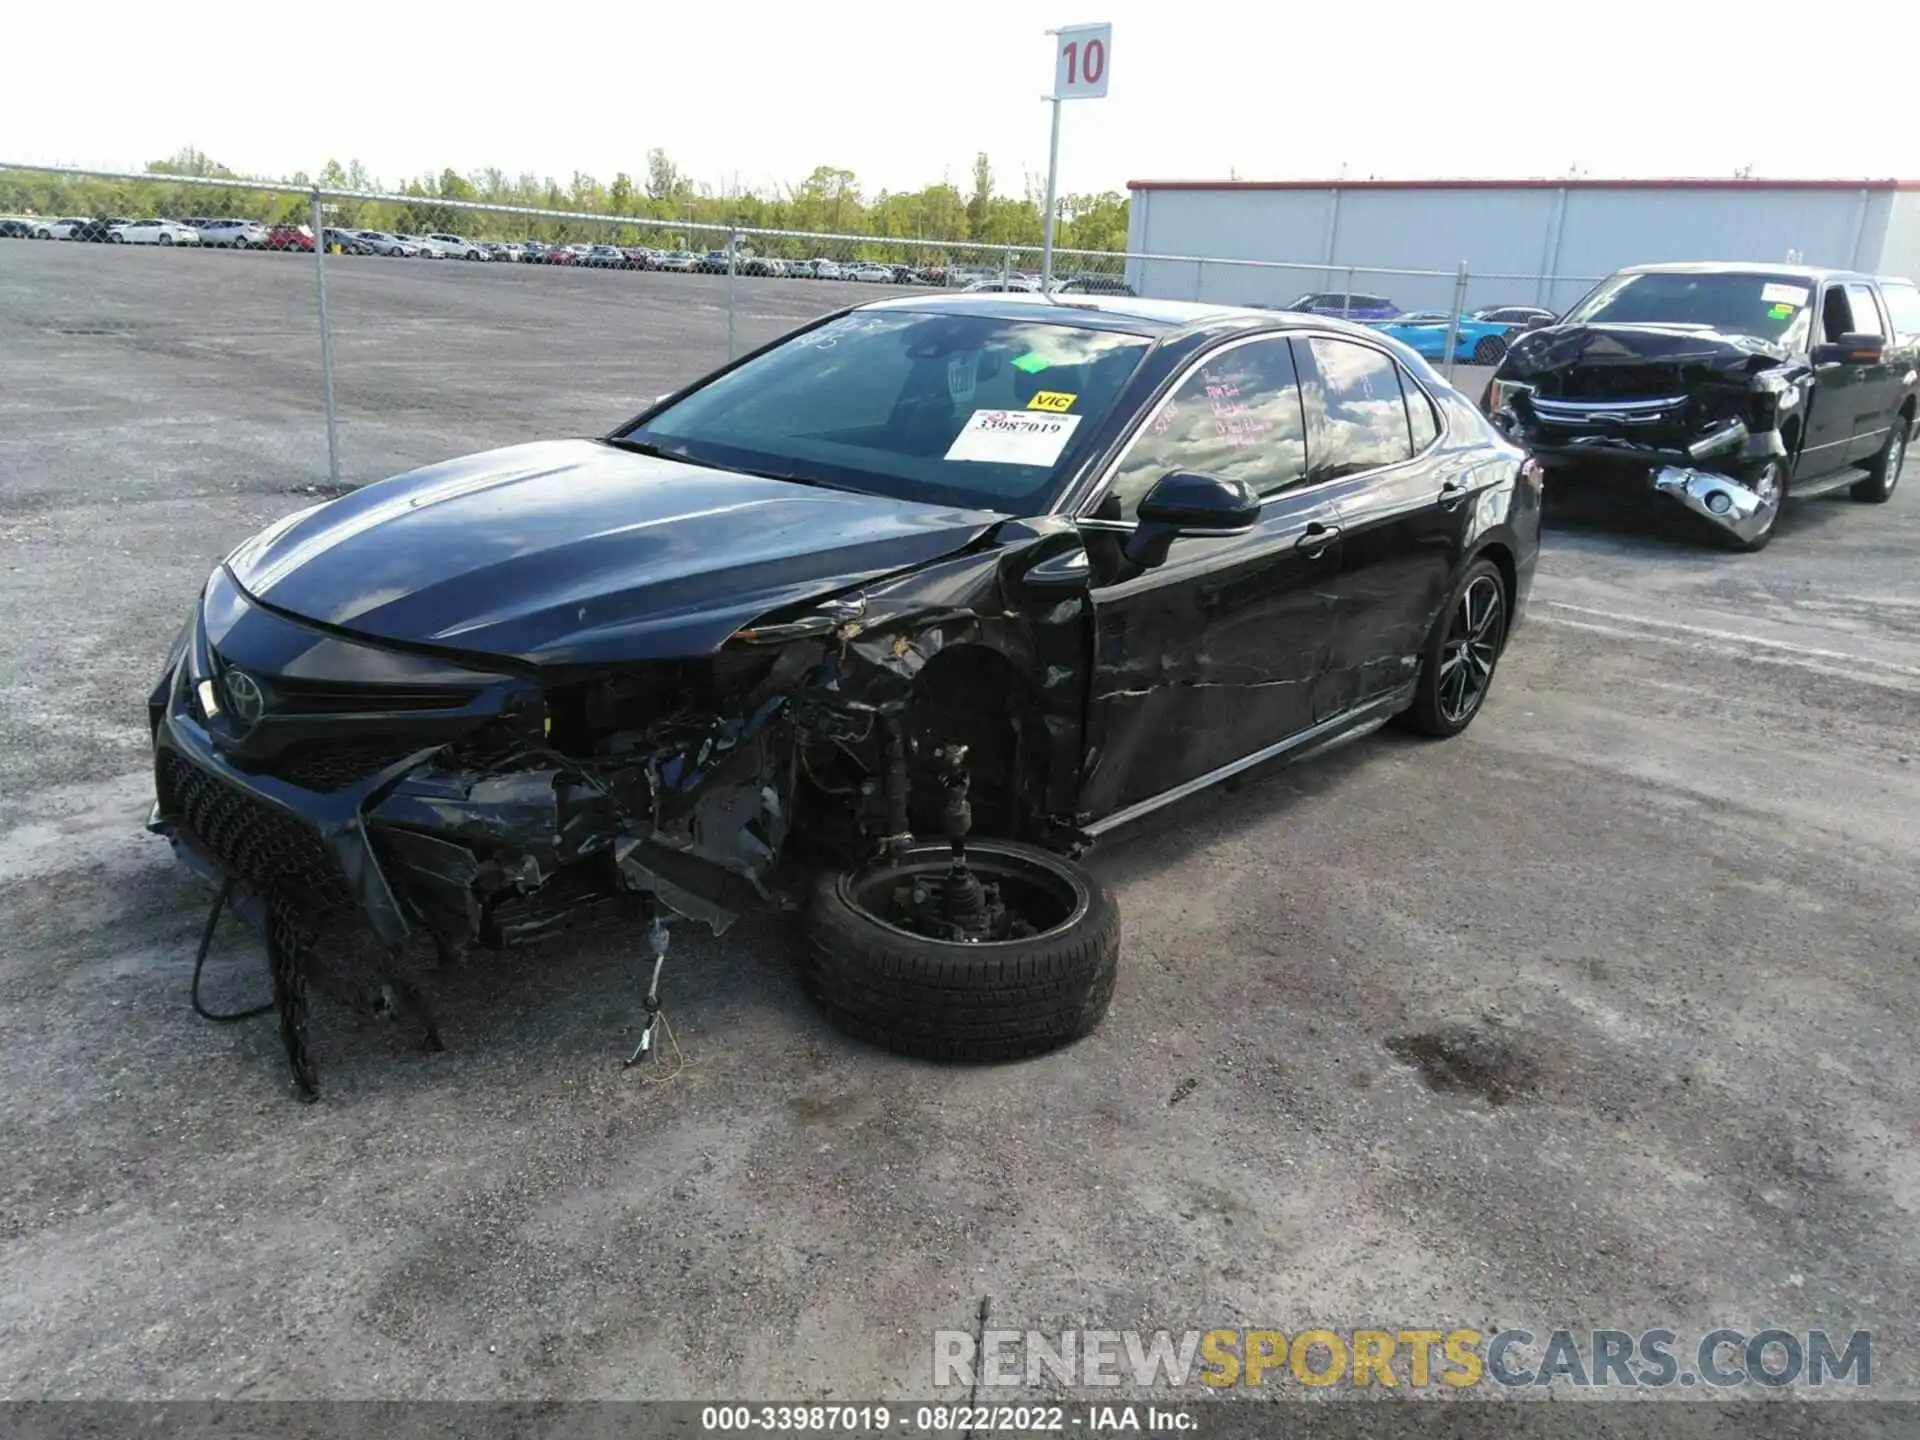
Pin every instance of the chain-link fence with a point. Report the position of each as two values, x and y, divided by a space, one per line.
551 320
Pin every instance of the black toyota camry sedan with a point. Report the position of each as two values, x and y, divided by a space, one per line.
921 599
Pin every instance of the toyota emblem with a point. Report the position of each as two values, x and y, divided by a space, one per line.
245 696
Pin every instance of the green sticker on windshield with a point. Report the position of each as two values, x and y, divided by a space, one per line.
1031 363
1780 312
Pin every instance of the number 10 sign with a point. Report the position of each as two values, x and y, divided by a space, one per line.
1080 64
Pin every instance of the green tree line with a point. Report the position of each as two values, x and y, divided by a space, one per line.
828 200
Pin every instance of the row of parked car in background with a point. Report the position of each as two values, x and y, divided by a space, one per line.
1481 336
240 234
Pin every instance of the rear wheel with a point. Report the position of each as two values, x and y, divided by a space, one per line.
1457 670
166 239
881 966
1884 473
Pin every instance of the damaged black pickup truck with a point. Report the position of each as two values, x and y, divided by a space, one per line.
922 598
1725 388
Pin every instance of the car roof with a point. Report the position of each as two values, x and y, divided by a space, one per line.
1131 313
1743 267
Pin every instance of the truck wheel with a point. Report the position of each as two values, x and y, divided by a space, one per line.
944 999
1884 473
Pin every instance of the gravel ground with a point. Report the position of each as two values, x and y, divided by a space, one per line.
1663 897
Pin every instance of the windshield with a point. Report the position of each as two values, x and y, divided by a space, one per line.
1767 306
941 408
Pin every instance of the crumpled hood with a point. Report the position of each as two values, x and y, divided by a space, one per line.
576 552
1561 347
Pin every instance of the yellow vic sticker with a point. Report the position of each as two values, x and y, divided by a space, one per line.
1055 400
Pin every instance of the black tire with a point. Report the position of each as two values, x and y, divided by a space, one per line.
947 1000
1463 651
1490 350
1884 473
166 239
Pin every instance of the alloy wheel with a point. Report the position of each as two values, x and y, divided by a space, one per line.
1472 646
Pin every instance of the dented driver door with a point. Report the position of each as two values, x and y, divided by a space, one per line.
1215 653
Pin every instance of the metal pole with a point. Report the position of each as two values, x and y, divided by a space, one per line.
733 265
326 338
1199 280
1346 301
1053 175
1453 322
1006 265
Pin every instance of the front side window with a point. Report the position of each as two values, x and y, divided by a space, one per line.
1357 415
1866 314
941 408
1238 415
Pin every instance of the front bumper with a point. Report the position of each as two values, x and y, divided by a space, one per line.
1683 474
457 819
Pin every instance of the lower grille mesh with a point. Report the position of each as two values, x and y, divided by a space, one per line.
266 848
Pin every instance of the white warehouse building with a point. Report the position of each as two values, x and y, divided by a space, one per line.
1524 242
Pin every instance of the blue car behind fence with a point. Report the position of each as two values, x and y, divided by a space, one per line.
1480 342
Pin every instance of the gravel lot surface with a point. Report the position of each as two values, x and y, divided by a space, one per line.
1601 1015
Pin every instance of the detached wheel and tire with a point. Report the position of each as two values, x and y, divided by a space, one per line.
1457 670
945 999
1884 473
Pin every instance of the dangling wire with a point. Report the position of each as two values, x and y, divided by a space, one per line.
679 1059
200 961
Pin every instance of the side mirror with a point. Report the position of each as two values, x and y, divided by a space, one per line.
1188 503
1850 349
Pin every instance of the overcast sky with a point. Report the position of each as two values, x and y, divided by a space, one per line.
756 95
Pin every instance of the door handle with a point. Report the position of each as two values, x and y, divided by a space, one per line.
1452 492
1316 539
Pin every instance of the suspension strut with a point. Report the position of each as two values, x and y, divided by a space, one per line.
962 896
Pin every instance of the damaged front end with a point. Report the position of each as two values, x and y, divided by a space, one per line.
333 776
1709 420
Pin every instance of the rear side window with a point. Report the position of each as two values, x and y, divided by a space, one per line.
1426 425
1866 313
1356 414
1903 309
1238 415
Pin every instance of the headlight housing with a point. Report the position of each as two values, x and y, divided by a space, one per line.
1500 395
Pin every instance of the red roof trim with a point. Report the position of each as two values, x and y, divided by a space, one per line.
1673 184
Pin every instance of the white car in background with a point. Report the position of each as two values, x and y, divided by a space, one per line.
154 232
233 234
457 247
421 245
869 272
824 269
62 229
